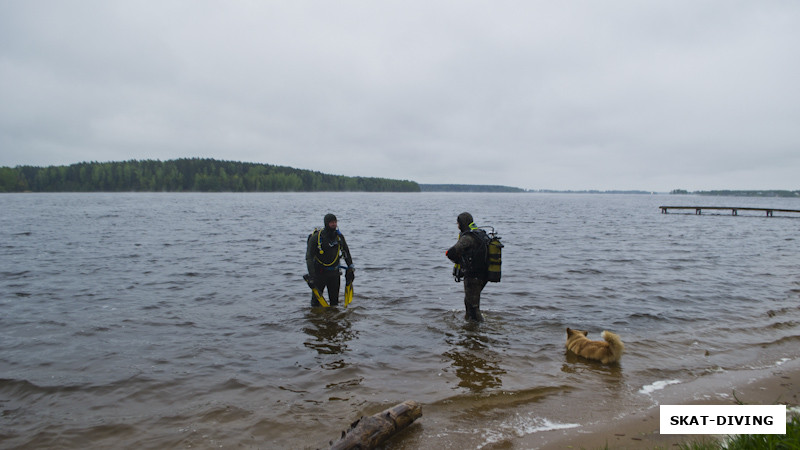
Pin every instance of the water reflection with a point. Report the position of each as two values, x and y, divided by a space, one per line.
329 330
578 364
476 364
607 376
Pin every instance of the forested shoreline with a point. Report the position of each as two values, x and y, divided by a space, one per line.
186 175
211 175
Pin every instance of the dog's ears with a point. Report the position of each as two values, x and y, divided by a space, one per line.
571 331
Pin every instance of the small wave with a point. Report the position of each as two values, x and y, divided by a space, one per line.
232 384
24 389
520 426
781 341
14 274
91 332
657 386
783 325
225 414
712 370
11 387
587 271
645 316
781 311
500 399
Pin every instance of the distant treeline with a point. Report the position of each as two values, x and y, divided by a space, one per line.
186 175
726 193
467 188
548 191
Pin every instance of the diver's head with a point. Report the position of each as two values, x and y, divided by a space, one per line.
330 222
464 220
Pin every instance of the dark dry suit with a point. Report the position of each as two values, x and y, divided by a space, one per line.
469 252
325 248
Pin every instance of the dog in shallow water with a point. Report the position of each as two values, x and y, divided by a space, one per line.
607 352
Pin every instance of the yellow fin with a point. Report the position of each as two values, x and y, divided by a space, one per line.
319 298
348 294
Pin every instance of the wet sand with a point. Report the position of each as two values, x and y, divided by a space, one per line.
639 429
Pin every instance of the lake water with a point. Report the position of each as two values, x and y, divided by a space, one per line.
156 320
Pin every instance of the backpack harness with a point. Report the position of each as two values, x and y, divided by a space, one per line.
318 231
486 256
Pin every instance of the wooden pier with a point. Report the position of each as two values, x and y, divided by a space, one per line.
734 209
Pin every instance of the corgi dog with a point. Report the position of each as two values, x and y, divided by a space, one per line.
607 352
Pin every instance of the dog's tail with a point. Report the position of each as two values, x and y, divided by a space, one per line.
615 343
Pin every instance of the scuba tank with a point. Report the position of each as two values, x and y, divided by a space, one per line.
495 255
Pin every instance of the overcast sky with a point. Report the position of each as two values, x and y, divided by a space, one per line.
650 95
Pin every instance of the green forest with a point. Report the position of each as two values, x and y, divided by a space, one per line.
186 175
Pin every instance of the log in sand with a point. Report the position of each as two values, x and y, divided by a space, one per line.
372 431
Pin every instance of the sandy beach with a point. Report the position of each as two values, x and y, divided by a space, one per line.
639 429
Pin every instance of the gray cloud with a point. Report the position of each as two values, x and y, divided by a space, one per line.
569 95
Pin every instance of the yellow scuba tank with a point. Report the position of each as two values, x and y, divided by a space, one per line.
495 258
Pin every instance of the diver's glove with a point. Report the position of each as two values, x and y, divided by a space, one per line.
350 274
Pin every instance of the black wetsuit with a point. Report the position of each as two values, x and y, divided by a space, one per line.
323 261
467 252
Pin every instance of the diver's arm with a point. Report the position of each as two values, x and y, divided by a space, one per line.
346 252
465 241
311 248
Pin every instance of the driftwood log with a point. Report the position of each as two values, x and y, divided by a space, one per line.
370 432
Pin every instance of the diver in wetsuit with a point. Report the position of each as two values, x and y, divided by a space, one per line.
470 253
325 247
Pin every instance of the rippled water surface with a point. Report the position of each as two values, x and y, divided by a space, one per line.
182 320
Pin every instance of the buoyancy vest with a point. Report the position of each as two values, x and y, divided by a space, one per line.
475 261
328 250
